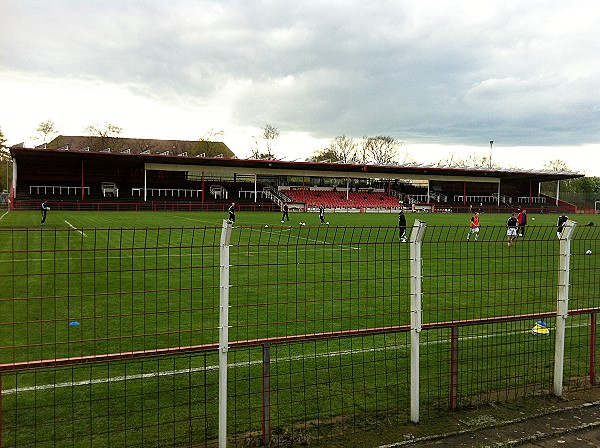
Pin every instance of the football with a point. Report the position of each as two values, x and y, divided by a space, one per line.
327 223
588 252
266 225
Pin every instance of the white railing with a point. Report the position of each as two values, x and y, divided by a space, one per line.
532 200
172 192
57 189
475 198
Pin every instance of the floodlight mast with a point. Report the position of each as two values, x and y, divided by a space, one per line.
491 144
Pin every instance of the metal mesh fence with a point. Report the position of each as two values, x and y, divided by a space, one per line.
110 336
93 292
145 402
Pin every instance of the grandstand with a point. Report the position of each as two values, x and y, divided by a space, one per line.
145 175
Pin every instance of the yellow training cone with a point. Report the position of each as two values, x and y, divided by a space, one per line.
540 329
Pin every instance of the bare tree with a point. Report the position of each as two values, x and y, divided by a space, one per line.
380 150
5 176
268 135
212 136
340 149
2 141
45 129
109 130
557 165
451 160
344 148
107 136
477 161
212 140
474 161
407 159
361 154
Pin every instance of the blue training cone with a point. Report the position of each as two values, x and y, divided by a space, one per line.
73 324
540 329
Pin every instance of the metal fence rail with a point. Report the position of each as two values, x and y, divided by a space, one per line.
120 336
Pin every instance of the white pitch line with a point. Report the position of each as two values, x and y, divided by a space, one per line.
142 376
5 213
75 228
185 251
209 223
325 243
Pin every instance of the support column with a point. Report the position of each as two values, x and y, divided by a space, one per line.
82 182
223 330
498 193
593 349
14 179
145 186
562 305
416 238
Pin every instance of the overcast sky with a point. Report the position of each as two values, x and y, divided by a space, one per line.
442 77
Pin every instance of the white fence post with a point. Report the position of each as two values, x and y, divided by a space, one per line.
224 330
416 278
562 304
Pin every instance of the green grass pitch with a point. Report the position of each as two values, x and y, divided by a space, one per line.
126 278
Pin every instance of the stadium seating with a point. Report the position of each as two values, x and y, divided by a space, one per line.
341 199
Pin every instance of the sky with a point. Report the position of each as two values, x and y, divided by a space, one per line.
444 78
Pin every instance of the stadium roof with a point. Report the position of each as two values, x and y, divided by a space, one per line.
202 162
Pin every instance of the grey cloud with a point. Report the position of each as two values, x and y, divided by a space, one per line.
453 74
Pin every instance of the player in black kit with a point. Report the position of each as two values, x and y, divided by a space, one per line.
562 220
